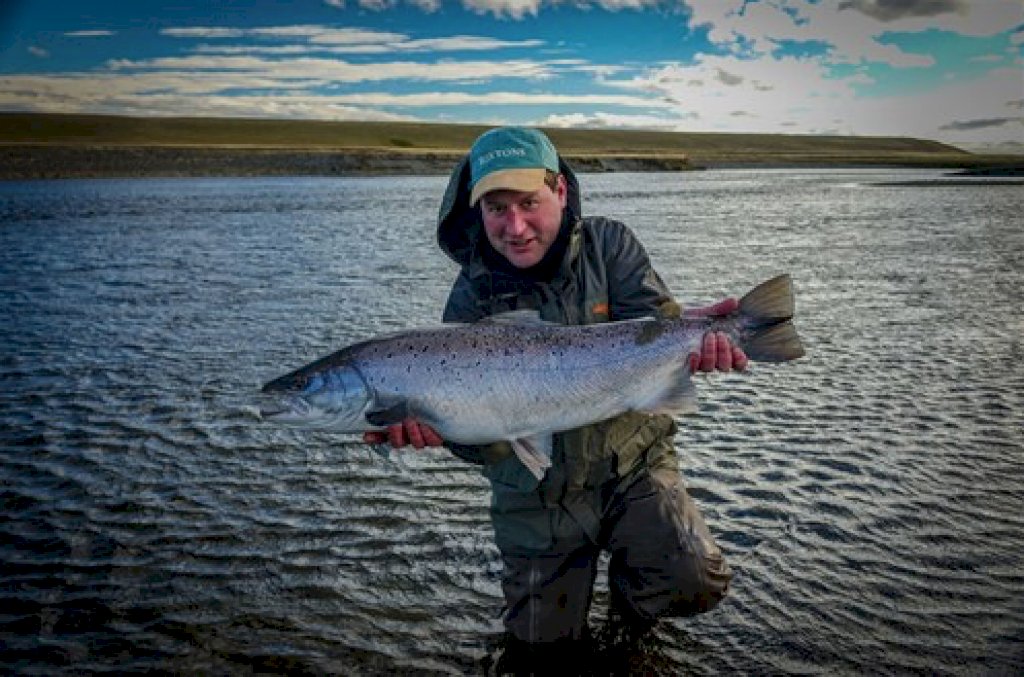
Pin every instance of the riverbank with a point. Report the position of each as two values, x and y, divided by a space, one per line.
38 146
87 161
25 161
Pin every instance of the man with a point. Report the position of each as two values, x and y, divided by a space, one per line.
511 218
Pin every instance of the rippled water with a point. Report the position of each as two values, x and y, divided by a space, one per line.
869 496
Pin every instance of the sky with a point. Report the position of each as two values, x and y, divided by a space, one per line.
949 70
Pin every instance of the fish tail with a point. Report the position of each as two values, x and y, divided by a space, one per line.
775 343
767 310
769 301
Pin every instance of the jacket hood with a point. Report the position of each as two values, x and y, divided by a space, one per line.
458 225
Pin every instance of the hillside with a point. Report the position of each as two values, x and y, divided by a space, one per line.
49 145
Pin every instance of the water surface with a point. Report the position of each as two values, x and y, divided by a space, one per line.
869 496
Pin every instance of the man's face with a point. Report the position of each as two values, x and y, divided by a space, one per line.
523 226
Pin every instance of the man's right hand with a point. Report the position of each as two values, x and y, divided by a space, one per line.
408 432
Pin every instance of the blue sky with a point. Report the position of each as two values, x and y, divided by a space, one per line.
951 70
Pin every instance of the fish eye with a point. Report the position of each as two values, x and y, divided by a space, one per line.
308 384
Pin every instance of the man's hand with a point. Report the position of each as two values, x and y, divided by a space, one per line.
717 352
408 432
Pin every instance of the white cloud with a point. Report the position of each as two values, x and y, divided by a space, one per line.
613 121
207 32
122 96
381 5
515 9
456 43
518 9
428 6
341 40
290 88
89 87
280 84
312 32
329 36
712 91
310 108
276 50
788 94
493 99
169 94
852 33
334 70
770 94
988 58
89 34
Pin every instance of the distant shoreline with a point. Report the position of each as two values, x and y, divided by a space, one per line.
27 161
46 146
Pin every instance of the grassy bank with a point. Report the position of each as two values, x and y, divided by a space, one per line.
46 145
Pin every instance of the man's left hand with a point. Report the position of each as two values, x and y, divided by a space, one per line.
718 352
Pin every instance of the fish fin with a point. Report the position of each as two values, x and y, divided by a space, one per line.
678 396
534 453
521 317
768 309
769 302
776 343
385 416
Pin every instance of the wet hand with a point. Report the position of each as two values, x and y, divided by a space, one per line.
407 433
718 352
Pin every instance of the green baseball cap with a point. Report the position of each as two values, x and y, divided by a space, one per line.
510 158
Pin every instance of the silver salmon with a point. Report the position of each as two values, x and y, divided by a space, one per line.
518 379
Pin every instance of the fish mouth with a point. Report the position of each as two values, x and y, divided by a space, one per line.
283 410
271 413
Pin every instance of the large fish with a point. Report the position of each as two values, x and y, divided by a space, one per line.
515 378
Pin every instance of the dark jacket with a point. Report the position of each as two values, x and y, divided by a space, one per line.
605 275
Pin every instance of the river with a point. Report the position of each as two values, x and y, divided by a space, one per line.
868 496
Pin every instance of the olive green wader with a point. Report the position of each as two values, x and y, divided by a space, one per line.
612 486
